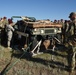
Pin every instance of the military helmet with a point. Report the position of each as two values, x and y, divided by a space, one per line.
71 14
4 17
10 21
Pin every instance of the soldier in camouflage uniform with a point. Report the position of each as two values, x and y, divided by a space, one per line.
66 23
3 23
62 29
9 30
72 41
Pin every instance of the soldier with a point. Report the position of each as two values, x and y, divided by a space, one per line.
9 30
66 24
3 23
55 21
72 41
62 29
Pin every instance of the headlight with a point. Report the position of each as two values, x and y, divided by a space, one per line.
42 31
55 31
35 30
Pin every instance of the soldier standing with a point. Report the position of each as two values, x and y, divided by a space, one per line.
62 29
66 23
3 23
72 41
9 30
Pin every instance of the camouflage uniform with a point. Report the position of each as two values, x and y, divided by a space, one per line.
9 30
62 29
72 41
3 23
65 31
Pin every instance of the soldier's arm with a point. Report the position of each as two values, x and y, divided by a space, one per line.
69 27
12 28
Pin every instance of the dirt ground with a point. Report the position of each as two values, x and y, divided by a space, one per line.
48 63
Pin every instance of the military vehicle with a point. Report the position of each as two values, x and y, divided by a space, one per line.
28 30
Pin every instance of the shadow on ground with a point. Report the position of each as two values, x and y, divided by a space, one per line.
51 63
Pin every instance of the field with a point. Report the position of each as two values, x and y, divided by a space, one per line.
49 63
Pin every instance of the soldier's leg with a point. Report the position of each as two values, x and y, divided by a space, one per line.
71 58
8 43
9 40
2 37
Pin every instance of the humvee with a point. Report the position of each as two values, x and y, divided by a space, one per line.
28 30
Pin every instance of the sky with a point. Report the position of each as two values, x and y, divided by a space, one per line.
40 9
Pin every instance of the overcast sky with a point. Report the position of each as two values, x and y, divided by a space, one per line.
40 9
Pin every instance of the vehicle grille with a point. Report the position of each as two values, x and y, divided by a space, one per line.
49 31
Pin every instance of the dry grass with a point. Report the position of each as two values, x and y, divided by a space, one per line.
37 65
